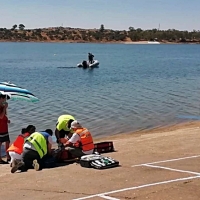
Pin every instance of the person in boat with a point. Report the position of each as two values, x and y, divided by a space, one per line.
63 128
36 147
81 143
16 149
90 58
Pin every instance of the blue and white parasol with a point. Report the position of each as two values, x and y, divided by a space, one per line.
16 93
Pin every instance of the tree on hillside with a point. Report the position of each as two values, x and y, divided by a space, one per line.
102 28
139 30
21 26
14 27
131 28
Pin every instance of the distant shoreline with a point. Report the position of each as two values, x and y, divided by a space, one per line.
98 36
98 42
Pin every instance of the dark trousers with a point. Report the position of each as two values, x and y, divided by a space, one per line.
28 156
75 151
90 61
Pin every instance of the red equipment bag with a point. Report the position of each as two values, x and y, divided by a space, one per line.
104 147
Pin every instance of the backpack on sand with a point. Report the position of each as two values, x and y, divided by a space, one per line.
104 163
98 161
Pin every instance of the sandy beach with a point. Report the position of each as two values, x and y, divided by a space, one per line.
147 42
137 42
154 164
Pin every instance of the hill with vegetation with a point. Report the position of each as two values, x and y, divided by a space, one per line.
68 34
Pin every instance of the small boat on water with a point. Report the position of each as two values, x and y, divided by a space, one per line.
85 64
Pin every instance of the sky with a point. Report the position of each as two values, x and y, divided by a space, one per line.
113 14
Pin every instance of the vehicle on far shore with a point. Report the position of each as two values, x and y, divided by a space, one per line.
153 41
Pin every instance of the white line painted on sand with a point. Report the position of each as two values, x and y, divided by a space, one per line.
163 161
171 169
106 197
138 187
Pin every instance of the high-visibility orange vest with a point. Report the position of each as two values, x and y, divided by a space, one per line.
17 145
87 143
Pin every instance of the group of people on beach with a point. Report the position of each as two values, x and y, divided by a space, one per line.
32 148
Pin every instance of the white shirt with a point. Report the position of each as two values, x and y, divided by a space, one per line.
76 138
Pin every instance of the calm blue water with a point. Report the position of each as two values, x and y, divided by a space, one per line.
135 87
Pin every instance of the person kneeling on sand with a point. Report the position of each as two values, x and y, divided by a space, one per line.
36 146
16 149
63 128
81 143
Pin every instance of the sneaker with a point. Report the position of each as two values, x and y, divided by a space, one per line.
36 165
17 164
13 163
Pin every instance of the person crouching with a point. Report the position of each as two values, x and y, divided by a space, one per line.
16 149
36 146
81 143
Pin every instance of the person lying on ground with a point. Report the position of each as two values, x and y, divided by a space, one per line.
81 143
16 149
36 146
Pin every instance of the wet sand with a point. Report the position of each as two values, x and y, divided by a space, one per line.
155 164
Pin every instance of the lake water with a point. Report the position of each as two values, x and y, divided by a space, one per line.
136 86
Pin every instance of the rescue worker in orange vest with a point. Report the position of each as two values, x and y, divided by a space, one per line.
16 149
81 142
